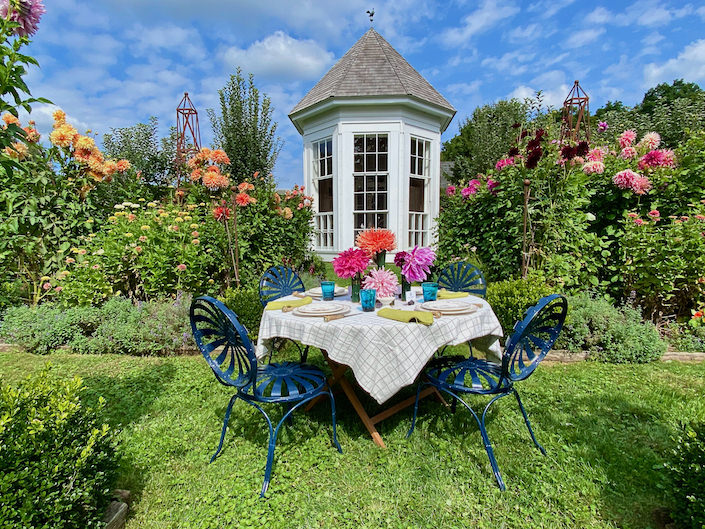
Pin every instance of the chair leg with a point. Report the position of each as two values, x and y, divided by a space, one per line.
528 424
225 426
332 410
488 444
416 407
304 355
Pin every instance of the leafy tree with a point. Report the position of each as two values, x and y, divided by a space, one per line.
140 144
615 107
484 138
244 129
667 94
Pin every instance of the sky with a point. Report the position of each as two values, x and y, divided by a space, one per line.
114 63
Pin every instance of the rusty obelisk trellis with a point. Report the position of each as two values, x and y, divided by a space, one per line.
188 134
576 115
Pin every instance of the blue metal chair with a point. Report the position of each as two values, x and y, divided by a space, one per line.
463 277
531 340
279 281
224 343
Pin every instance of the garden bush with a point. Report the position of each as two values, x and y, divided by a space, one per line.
56 455
608 333
118 326
687 471
244 301
510 298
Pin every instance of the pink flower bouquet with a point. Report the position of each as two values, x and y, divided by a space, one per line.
384 281
351 262
416 264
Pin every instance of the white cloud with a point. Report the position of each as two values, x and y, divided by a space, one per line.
551 97
281 56
511 63
599 15
647 13
548 8
482 19
688 65
171 38
464 89
583 37
528 33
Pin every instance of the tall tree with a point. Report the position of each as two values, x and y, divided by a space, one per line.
665 94
141 145
485 137
245 129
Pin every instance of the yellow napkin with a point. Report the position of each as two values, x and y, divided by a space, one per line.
407 316
278 305
449 294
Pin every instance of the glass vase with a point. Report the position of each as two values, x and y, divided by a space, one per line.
381 258
355 288
405 287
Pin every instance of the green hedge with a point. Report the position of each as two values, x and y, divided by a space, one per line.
510 299
56 455
687 471
609 334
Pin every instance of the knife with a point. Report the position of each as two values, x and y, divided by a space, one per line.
333 317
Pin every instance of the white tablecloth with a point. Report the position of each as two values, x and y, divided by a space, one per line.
384 355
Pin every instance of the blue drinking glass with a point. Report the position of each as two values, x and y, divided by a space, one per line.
368 297
327 290
430 291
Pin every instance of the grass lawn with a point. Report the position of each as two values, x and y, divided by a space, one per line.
606 430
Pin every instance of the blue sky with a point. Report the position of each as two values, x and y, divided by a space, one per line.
113 63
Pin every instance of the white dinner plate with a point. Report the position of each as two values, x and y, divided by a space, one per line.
450 306
317 293
322 309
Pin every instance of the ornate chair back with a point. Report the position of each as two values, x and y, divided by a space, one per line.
223 342
533 337
463 277
278 281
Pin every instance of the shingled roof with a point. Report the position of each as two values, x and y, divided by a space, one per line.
372 68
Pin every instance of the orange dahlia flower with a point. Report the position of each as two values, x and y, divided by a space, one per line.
376 240
242 199
219 156
123 165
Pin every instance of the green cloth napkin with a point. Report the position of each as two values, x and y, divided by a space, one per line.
407 316
448 294
278 305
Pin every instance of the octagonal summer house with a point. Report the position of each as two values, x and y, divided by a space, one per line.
372 139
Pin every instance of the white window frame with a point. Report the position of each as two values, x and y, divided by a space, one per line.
365 175
419 221
324 220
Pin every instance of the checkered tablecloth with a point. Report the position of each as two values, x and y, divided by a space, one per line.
384 355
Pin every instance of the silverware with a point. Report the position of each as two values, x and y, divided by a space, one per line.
334 317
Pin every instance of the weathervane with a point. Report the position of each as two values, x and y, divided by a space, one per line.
372 14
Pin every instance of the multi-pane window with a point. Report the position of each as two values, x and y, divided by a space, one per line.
370 207
419 174
323 180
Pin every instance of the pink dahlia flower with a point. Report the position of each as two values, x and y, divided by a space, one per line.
639 222
641 185
504 162
628 152
657 158
492 186
602 126
625 179
596 155
26 13
654 214
450 190
651 140
384 281
594 167
627 138
418 263
351 262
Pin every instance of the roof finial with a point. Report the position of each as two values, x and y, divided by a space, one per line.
372 14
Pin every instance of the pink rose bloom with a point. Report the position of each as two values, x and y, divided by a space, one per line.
651 140
628 153
594 167
450 190
627 138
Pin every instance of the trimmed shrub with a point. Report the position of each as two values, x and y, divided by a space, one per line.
245 303
510 299
56 455
119 326
609 334
687 470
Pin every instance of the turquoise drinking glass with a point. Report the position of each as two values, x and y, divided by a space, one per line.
327 290
368 296
430 291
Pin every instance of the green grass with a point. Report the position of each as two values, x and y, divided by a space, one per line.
606 429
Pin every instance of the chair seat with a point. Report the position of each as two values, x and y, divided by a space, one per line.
286 382
472 375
